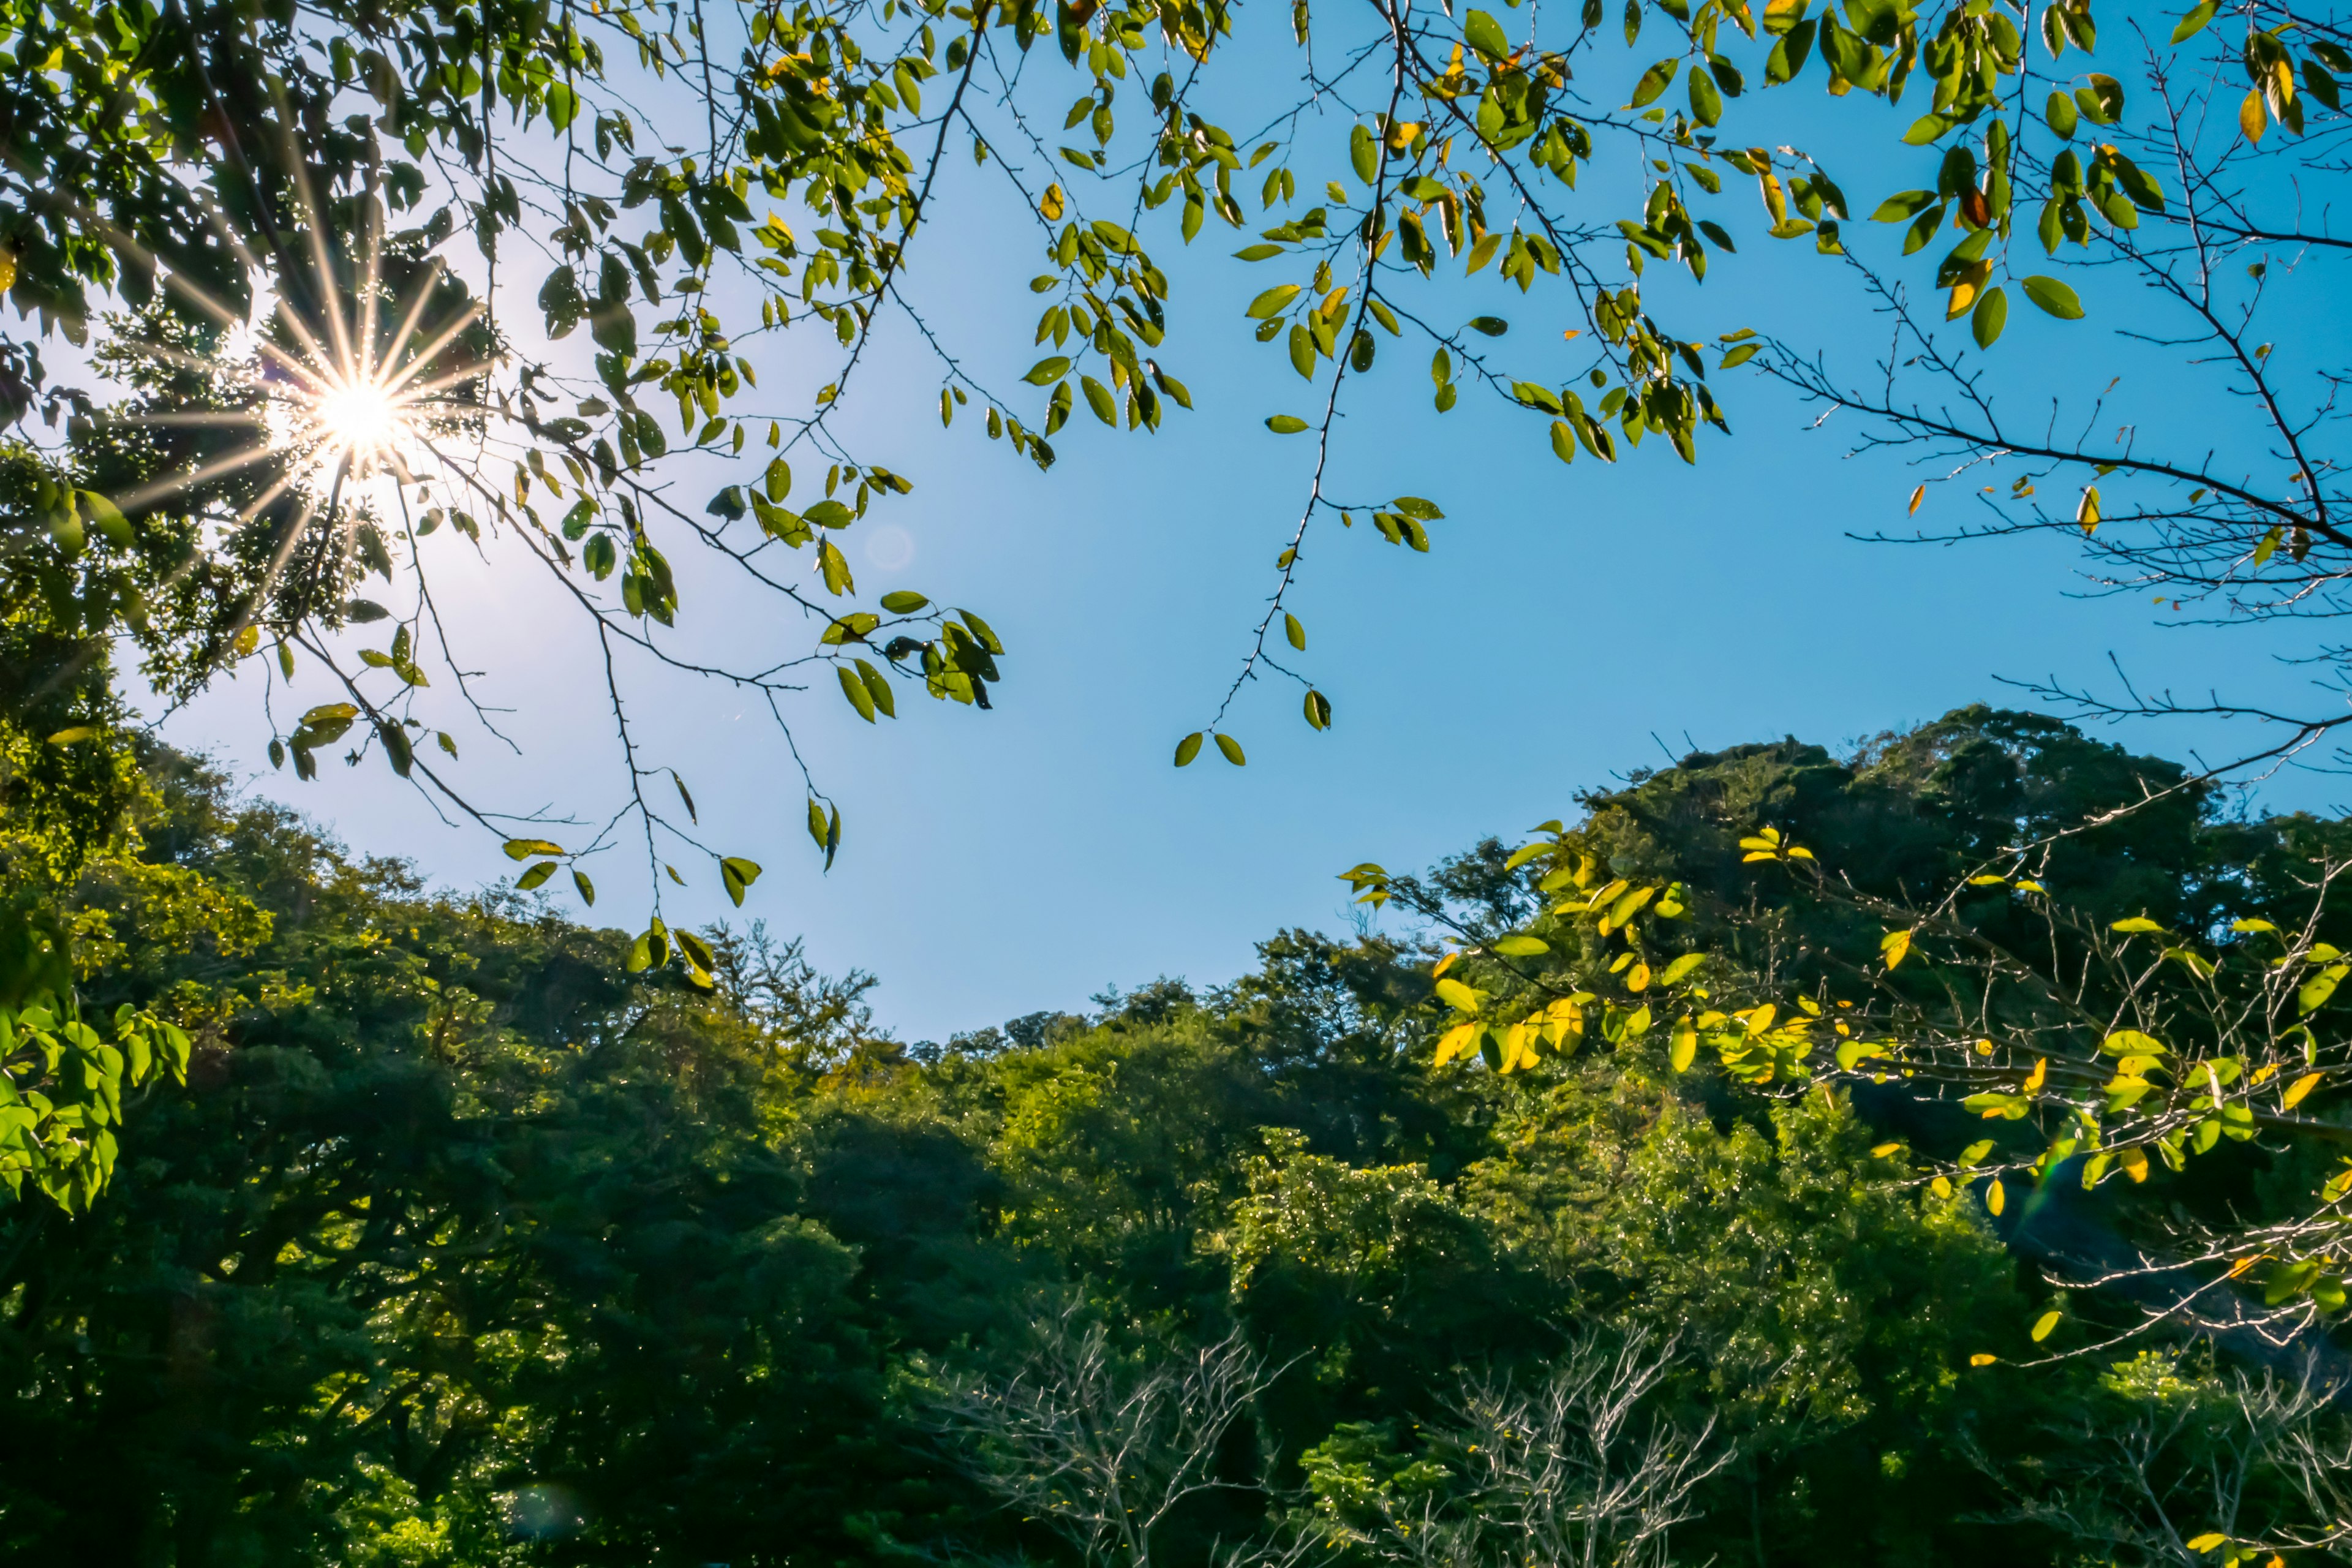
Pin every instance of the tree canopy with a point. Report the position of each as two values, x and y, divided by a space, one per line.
464 1244
263 212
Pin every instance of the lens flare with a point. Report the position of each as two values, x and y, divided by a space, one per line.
360 423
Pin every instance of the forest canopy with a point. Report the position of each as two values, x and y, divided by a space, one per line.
1935 1150
461 1244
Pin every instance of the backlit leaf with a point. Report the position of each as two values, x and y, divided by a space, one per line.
2052 296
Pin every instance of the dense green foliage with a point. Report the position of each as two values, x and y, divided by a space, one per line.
464 1245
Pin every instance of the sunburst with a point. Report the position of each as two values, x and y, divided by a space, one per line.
349 394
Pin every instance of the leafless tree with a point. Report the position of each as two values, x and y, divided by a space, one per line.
1102 1446
1580 1470
1577 1469
2188 1469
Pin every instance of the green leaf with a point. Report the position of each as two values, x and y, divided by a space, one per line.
877 686
107 515
1653 82
1232 749
1187 748
1902 206
1991 315
1563 441
2053 297
1521 946
587 888
1414 507
1485 35
855 689
738 874
1099 399
2316 990
1705 101
904 602
1294 631
1047 371
535 876
2136 925
1258 252
980 631
1492 326
1286 424
1270 304
1681 967
2062 114
524 848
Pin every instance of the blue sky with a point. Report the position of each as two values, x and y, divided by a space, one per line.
1569 625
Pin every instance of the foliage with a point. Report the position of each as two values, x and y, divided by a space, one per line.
181 172
462 1245
2041 962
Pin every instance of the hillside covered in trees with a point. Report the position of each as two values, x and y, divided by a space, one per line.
462 1244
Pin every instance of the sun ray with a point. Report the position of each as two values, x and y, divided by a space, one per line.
214 417
254 509
432 350
147 495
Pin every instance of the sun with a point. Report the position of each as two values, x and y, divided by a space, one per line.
359 421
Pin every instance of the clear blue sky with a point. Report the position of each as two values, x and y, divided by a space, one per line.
1568 625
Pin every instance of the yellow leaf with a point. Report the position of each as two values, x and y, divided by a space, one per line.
2253 116
1443 964
248 640
2297 1090
1981 1359
1916 497
1460 997
1051 207
1458 1039
1884 1150
2135 1162
1686 1048
2034 1080
2087 515
2045 1324
1941 1186
1995 1198
1638 978
7 269
1895 945
2210 1540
